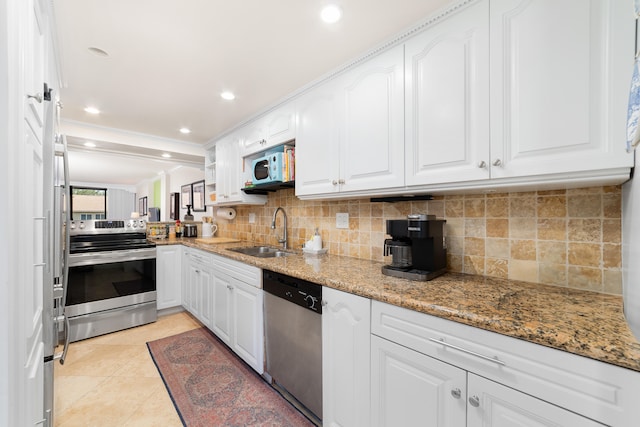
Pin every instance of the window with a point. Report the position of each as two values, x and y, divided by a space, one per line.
88 203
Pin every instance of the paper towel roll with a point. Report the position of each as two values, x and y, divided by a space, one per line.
226 213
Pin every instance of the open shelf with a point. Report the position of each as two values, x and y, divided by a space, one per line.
268 188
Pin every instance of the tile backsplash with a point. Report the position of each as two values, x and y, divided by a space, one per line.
561 237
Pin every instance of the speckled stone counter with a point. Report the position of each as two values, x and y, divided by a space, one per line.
580 322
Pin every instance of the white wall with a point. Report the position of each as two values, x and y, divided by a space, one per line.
178 177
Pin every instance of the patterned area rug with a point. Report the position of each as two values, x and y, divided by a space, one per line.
211 386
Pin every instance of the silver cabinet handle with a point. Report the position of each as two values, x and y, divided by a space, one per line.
474 401
482 164
324 303
441 341
341 181
229 287
497 162
37 97
456 393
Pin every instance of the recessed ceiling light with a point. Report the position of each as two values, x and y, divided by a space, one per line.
228 95
97 51
185 130
92 110
331 14
90 144
166 155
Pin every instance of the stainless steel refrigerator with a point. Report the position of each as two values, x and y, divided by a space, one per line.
56 202
631 203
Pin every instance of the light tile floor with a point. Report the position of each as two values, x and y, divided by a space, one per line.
111 380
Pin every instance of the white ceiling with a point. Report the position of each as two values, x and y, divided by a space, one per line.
170 59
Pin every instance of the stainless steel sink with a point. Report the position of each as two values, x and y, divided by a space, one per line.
262 251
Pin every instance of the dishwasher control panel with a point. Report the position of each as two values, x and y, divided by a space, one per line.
298 291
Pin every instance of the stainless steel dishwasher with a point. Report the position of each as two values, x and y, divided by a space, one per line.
293 335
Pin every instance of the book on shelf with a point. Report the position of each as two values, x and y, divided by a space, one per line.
289 163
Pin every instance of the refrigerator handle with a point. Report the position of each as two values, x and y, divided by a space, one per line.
67 244
62 356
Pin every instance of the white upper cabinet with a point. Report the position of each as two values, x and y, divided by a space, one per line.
350 132
229 178
371 124
447 99
560 73
317 159
275 128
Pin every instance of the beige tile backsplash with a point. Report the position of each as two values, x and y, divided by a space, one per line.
561 237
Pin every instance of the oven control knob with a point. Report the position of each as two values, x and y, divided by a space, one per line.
311 301
81 226
73 225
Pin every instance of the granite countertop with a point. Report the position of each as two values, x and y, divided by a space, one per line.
586 323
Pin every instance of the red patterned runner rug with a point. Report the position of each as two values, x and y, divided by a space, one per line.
211 386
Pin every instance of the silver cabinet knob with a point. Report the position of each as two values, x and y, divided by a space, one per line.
334 182
497 162
456 393
229 287
482 164
474 401
37 97
341 181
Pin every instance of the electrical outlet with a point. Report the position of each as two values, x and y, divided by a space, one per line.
342 220
252 218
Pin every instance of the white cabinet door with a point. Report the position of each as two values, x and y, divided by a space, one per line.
253 136
276 128
317 152
350 131
186 294
371 124
228 163
346 328
280 125
447 100
169 276
205 278
494 405
229 175
222 309
248 326
560 75
411 389
193 283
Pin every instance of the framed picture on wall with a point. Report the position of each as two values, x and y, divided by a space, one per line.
197 190
174 206
185 196
142 205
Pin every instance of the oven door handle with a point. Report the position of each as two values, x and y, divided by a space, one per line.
95 258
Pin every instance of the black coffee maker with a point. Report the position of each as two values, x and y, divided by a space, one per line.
417 247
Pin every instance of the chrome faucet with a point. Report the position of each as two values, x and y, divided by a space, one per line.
273 226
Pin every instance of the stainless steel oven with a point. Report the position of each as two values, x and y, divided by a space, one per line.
112 278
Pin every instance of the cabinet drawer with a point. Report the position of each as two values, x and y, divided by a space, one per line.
597 390
244 272
201 257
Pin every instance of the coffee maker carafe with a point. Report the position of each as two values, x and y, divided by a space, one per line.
416 246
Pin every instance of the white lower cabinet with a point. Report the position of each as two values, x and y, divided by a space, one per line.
222 289
238 311
411 389
169 276
198 285
430 371
492 404
226 296
346 336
